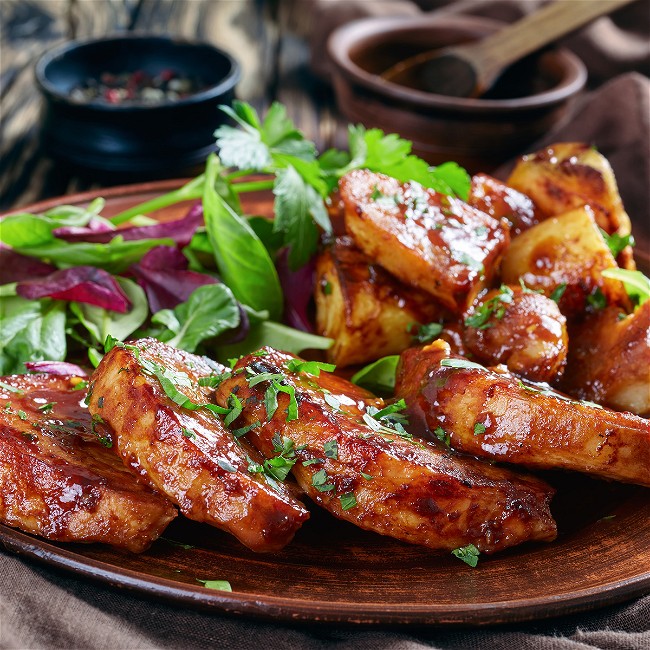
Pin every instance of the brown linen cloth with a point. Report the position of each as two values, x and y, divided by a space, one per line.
43 609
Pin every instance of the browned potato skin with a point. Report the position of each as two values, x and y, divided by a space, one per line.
148 435
416 240
521 426
530 339
609 360
363 308
566 250
58 482
495 198
569 175
419 493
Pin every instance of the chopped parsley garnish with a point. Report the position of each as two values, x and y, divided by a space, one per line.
468 554
100 402
596 299
46 408
468 261
225 465
479 428
22 415
425 333
221 585
11 389
235 408
442 435
461 363
82 385
348 500
7 408
212 381
495 306
242 431
309 367
558 292
279 466
368 477
188 433
616 243
326 288
313 461
319 481
331 449
264 376
95 420
376 193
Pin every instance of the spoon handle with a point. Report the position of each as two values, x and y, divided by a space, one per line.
532 32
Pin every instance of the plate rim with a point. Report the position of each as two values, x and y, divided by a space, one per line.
276 608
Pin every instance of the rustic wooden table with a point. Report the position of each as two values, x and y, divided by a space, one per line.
261 34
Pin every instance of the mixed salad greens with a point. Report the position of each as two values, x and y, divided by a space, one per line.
217 280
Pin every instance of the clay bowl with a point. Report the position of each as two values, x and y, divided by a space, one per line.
531 97
133 141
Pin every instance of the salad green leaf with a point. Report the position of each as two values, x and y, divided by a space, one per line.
210 310
245 265
378 376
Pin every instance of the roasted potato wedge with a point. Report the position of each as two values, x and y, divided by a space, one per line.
520 328
609 360
566 251
491 414
378 477
428 240
367 311
502 202
570 175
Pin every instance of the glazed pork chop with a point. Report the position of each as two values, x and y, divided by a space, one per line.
490 413
149 395
351 458
58 481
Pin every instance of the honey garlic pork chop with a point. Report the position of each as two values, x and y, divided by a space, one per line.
58 481
186 452
375 476
493 414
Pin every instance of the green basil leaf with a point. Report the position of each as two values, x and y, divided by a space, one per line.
244 263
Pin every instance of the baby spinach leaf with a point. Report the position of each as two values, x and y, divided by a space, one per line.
379 376
32 330
210 310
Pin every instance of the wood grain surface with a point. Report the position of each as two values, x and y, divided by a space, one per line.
260 34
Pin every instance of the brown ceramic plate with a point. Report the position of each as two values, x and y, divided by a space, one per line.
334 572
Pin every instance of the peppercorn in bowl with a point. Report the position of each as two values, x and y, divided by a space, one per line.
134 106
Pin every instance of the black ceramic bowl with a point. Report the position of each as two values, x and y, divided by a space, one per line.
130 139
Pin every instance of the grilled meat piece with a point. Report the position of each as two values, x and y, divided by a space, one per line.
361 470
494 415
426 239
609 360
495 198
189 455
521 329
58 481
367 311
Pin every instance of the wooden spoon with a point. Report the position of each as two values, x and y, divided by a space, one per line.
470 70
